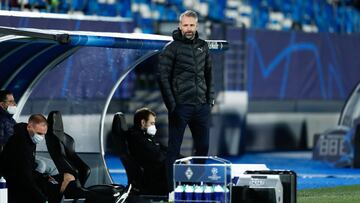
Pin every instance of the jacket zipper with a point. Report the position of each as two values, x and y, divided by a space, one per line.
196 65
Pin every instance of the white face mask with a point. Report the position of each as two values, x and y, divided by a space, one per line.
11 109
37 138
151 130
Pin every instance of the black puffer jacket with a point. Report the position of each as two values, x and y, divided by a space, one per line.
185 73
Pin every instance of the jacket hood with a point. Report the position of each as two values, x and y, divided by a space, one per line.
177 36
20 129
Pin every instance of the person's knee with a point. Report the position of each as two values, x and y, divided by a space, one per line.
68 177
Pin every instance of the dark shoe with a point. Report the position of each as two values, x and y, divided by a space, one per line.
54 195
74 190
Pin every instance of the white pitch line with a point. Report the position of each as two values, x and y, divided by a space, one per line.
328 176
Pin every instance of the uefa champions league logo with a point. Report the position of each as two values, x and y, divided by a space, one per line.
214 176
214 171
189 173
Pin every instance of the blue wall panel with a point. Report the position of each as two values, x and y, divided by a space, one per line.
295 65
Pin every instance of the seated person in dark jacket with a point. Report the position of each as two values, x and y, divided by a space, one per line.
7 110
25 184
147 152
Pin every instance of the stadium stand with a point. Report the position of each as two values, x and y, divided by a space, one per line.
334 16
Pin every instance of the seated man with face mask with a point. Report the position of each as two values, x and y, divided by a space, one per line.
7 109
25 184
150 154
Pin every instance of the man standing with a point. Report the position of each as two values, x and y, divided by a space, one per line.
185 79
7 110
150 154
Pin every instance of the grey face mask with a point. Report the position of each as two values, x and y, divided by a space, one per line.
37 138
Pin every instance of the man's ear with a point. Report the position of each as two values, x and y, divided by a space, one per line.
143 122
28 127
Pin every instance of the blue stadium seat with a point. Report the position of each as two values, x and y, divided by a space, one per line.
123 8
217 9
91 7
171 15
175 2
63 6
160 9
308 11
77 5
261 17
330 18
146 25
254 3
37 4
142 1
287 7
106 10
275 5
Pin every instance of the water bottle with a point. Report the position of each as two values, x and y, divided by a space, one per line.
179 194
208 191
219 194
3 191
198 193
189 191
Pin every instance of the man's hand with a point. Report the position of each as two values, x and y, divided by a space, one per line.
52 180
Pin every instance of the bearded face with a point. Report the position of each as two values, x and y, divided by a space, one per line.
188 26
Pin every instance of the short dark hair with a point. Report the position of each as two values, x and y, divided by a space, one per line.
140 114
4 94
37 119
189 13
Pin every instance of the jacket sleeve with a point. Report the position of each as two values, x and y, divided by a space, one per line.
2 136
164 74
26 174
148 149
6 130
210 92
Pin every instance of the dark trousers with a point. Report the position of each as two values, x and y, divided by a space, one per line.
18 193
155 180
198 119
